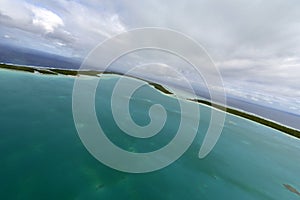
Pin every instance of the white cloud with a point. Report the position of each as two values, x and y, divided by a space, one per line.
73 26
45 19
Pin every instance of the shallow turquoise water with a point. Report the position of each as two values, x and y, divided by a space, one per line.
42 157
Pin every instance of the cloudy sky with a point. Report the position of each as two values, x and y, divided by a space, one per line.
256 44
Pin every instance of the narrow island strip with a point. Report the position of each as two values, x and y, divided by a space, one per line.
73 72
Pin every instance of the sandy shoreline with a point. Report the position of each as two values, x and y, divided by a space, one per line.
237 112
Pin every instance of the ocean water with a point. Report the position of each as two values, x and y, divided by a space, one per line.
42 157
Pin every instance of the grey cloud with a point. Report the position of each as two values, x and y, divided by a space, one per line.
4 18
252 42
62 36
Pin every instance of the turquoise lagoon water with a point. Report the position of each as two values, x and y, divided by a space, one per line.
42 157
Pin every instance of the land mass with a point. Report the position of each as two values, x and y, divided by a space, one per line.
250 116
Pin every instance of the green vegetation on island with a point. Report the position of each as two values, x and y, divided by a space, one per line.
55 71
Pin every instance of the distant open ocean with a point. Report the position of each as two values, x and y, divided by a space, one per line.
42 157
